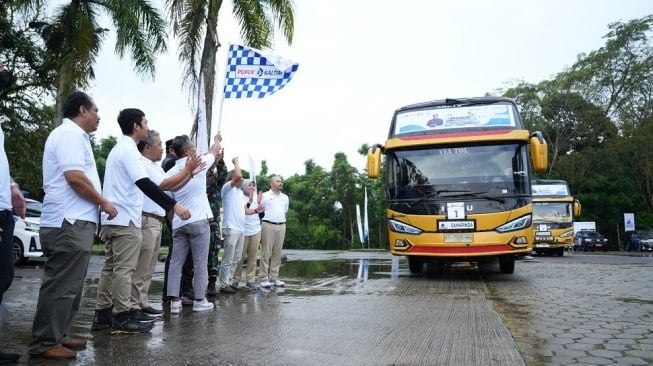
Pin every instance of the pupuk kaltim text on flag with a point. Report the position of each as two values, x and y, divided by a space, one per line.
252 73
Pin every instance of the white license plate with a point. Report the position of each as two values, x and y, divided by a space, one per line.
456 225
458 238
543 233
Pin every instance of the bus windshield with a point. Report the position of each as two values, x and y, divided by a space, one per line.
552 212
440 172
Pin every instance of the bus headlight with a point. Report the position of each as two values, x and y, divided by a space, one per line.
517 224
401 227
566 234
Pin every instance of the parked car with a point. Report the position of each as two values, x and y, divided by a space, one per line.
639 240
26 233
590 240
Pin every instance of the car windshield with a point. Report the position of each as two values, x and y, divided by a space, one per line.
645 234
438 172
34 209
591 234
553 212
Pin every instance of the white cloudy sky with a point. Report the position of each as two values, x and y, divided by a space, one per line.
361 60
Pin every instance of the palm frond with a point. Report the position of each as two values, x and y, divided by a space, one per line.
190 31
255 26
140 30
73 40
283 13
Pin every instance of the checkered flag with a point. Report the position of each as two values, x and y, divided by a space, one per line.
251 74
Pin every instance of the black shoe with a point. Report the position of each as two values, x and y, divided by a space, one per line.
139 315
8 357
124 324
235 286
227 290
102 318
152 311
211 290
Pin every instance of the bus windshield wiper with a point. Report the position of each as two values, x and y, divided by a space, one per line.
435 193
478 195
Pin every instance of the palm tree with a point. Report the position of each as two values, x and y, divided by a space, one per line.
194 19
74 38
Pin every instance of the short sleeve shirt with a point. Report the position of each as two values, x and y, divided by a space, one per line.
193 194
276 206
68 148
156 174
123 169
233 202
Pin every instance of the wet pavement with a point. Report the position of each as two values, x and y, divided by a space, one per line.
364 308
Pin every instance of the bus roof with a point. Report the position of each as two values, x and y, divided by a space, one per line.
459 115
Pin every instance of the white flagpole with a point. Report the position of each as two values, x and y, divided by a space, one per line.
224 76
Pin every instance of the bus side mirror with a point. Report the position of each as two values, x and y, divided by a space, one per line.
374 162
539 152
577 208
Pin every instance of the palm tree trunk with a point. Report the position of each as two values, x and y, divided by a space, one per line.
64 88
208 63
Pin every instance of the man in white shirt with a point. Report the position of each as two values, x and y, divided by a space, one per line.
273 232
252 235
192 234
11 201
152 220
68 224
125 181
235 207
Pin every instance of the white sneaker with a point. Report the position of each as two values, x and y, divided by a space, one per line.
277 283
202 305
266 284
175 307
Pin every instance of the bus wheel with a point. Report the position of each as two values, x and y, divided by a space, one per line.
415 264
507 265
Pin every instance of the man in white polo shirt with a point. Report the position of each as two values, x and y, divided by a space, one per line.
125 181
152 220
192 234
68 225
273 232
233 228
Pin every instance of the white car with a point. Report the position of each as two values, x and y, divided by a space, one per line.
26 234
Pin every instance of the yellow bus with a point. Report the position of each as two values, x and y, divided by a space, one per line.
457 175
553 216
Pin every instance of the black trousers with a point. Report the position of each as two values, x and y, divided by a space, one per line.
6 251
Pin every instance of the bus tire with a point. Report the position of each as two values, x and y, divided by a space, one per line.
507 265
415 264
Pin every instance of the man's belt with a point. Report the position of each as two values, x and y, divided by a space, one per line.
274 223
147 214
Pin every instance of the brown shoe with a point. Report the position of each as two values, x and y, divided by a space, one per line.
74 343
57 352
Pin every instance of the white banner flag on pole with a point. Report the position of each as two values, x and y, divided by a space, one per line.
252 173
358 221
202 128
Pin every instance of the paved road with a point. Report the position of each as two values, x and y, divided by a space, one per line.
584 309
357 308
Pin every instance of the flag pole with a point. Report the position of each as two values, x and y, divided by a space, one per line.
224 75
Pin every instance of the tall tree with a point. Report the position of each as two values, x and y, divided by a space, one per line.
74 38
25 106
194 20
